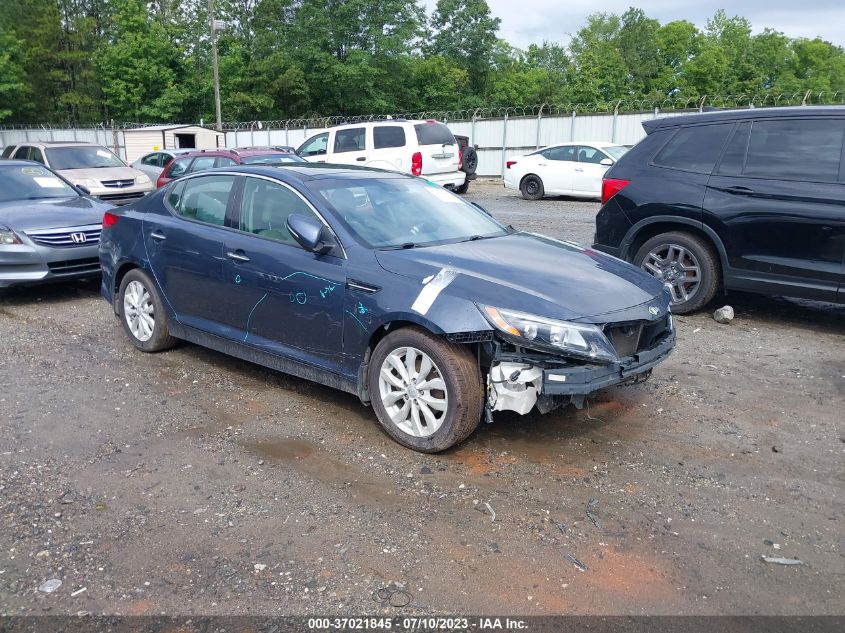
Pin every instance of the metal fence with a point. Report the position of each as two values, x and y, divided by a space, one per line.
498 133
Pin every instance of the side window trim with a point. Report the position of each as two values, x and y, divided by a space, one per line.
236 218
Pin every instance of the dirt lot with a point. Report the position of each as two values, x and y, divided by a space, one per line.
189 482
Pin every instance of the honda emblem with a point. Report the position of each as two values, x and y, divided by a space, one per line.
78 238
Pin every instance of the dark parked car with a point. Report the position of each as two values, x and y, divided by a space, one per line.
49 229
203 159
382 285
749 200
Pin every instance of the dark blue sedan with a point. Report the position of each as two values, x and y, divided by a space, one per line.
382 285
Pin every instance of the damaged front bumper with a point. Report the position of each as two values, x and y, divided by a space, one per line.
519 381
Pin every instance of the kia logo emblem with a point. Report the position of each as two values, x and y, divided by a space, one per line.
78 238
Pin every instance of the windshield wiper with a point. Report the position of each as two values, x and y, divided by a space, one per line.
399 247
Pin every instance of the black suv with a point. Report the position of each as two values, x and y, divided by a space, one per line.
753 200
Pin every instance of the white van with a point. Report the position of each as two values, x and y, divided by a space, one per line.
419 148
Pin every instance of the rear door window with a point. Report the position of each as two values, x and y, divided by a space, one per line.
808 149
224 161
434 134
733 159
36 155
203 163
385 136
205 199
565 153
179 167
694 148
22 153
351 140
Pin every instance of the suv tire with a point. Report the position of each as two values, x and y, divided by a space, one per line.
531 187
470 164
671 257
435 405
462 189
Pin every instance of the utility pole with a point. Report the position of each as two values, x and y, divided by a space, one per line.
213 25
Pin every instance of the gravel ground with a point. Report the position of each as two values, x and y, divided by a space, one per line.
193 483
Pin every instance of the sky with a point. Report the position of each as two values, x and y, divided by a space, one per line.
527 22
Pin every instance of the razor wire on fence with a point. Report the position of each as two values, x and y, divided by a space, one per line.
497 133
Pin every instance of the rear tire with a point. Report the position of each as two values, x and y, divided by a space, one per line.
685 261
142 313
435 405
462 189
531 187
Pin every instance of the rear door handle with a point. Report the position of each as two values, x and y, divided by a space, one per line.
157 236
541 164
579 169
361 158
237 256
740 191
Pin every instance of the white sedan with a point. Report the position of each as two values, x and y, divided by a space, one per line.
568 169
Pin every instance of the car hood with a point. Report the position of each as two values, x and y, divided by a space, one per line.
536 274
101 173
52 213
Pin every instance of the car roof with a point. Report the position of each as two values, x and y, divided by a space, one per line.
58 144
17 162
242 151
740 115
313 171
598 144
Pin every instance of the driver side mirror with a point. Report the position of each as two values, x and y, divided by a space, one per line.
310 234
606 162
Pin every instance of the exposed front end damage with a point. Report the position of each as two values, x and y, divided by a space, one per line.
520 379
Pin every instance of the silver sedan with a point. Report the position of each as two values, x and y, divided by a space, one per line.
49 230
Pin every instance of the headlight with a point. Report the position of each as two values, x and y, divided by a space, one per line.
577 339
143 179
7 236
88 183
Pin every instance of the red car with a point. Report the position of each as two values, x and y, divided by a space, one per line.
203 159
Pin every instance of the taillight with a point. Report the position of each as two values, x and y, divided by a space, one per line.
611 186
460 159
109 219
416 164
509 163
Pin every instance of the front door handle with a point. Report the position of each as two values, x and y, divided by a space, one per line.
740 191
238 257
157 236
361 159
579 169
541 164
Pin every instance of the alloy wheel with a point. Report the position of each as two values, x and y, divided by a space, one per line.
138 311
677 267
413 392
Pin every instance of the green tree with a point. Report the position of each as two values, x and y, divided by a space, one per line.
15 94
465 31
139 67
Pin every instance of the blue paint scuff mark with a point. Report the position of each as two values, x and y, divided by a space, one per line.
357 320
298 297
361 309
250 315
327 290
237 279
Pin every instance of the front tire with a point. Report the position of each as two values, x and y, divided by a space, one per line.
687 263
427 393
142 313
531 187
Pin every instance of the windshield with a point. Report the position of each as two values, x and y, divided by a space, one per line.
405 212
271 159
31 183
615 151
82 157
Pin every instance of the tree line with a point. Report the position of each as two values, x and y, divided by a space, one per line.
86 61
